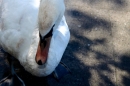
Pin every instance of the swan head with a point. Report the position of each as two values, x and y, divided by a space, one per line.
50 15
45 51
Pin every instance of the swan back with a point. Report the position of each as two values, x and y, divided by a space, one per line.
18 25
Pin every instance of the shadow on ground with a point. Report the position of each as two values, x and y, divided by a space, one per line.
116 3
76 55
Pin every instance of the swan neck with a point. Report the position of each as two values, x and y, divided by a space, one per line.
48 13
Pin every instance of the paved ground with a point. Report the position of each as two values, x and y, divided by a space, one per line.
98 51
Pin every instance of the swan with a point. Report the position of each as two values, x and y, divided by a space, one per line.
35 32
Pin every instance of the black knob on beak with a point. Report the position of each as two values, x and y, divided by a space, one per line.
42 39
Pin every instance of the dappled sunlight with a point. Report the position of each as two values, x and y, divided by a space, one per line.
98 50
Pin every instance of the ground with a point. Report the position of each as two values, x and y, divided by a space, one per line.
98 51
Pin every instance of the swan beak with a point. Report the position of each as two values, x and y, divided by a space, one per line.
42 51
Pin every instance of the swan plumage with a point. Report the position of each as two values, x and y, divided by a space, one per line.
20 27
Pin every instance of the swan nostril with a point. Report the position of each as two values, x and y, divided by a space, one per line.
39 62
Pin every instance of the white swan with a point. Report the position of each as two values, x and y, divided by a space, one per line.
21 22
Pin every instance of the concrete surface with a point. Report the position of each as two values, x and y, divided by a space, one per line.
98 51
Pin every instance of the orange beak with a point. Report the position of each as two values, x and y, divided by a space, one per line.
42 51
